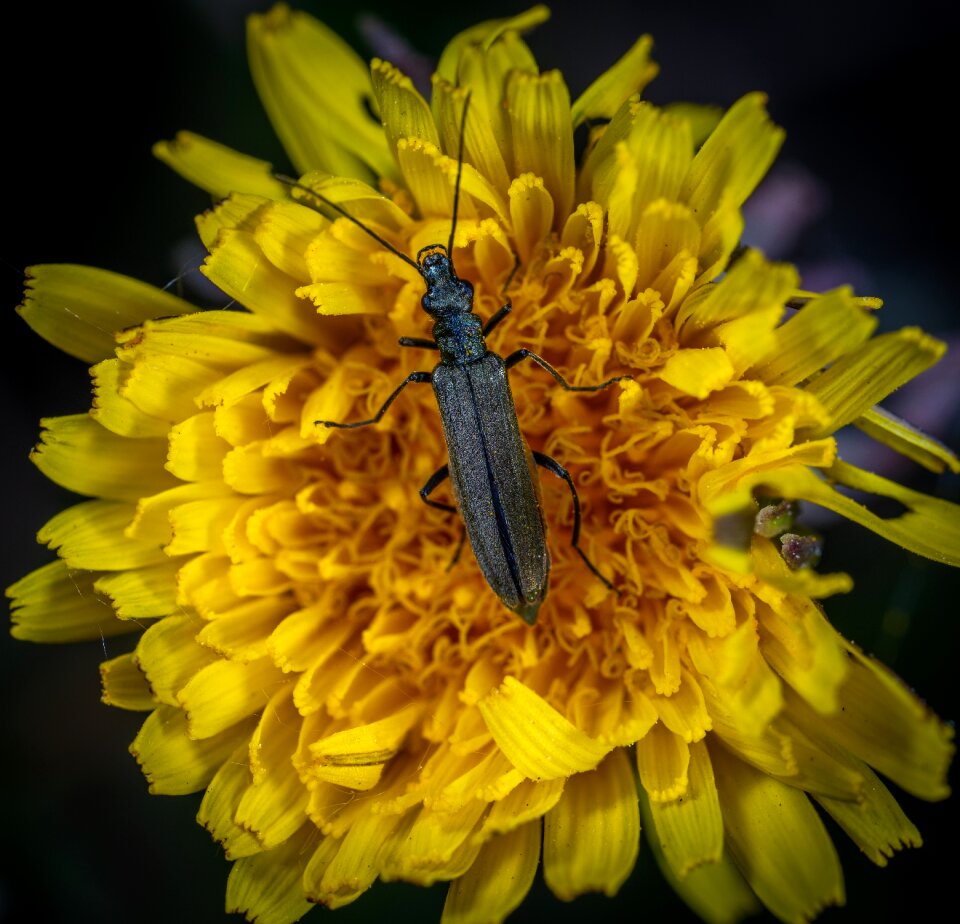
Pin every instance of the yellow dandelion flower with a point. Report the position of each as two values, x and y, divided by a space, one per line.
352 708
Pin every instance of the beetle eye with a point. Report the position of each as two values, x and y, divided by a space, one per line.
467 288
427 302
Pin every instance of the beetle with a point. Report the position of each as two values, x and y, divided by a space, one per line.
491 469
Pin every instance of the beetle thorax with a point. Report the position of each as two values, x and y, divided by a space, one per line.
460 338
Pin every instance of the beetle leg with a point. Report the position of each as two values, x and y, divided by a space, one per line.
458 550
438 477
551 465
413 377
424 343
524 353
501 313
497 317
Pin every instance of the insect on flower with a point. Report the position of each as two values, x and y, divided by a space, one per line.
491 468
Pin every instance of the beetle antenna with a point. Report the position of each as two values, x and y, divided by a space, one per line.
456 188
294 184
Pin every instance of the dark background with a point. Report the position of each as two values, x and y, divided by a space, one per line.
868 101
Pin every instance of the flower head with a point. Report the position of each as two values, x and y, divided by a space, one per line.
355 708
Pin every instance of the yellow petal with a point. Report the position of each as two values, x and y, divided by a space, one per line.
884 724
166 387
175 763
141 593
363 202
663 759
218 169
266 887
224 693
252 470
151 522
606 94
665 230
204 584
125 469
529 800
642 156
485 135
715 891
733 159
196 451
802 581
169 655
698 372
491 778
437 846
875 822
309 635
354 867
274 806
198 526
337 256
295 60
660 147
778 841
326 680
114 410
479 62
427 173
537 740
781 749
748 337
240 633
721 236
703 119
826 328
749 689
238 385
715 613
684 712
91 536
284 231
403 111
485 34
338 299
801 646
219 806
539 110
124 685
498 881
375 742
317 865
752 286
867 375
584 232
239 210
238 266
78 308
908 440
591 838
225 338
55 604
531 210
930 526
689 828
622 263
